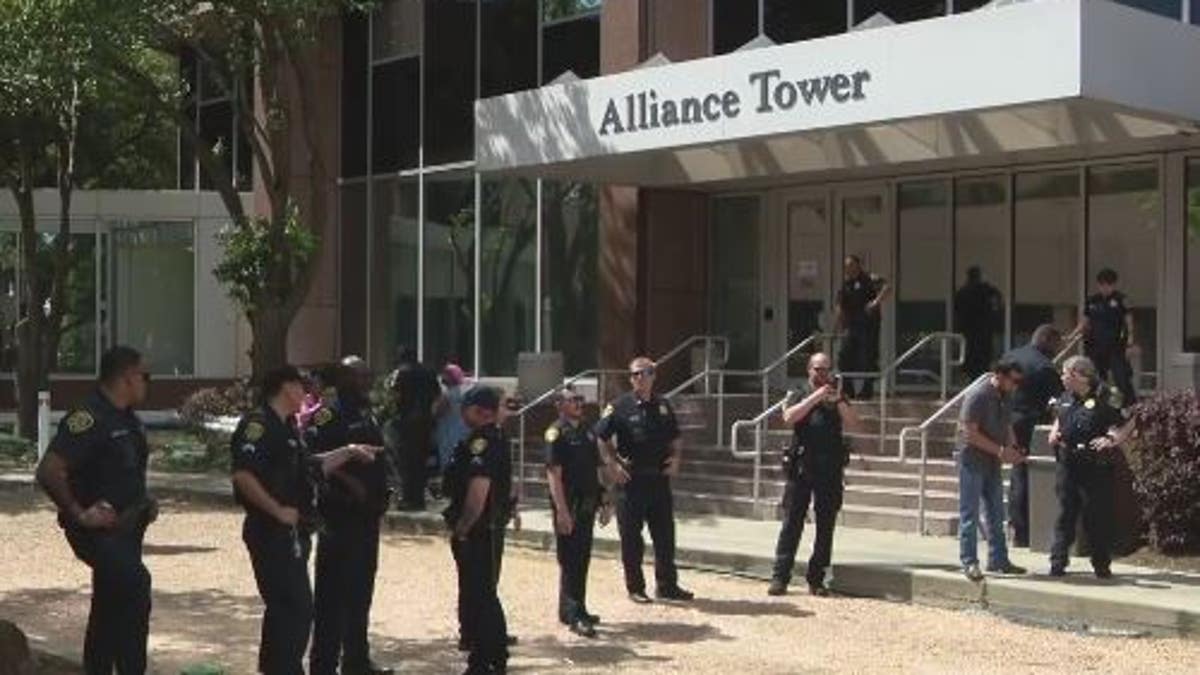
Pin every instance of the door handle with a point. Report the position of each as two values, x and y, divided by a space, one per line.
768 314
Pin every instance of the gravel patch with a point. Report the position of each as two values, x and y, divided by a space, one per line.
206 611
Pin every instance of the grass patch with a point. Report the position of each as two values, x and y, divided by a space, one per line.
184 451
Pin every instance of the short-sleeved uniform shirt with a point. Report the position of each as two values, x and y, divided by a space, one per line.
573 447
854 297
643 430
483 453
1041 382
820 434
273 452
105 451
1082 419
339 422
984 405
1106 322
417 387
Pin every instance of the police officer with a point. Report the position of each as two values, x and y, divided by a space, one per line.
272 479
978 309
1107 329
1087 433
95 471
1030 407
572 472
641 460
416 389
351 507
859 314
814 465
478 481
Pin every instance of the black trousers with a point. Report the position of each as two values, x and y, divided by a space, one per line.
480 613
978 357
119 620
1113 360
646 501
1084 488
824 490
859 353
280 560
574 556
416 443
1018 482
347 559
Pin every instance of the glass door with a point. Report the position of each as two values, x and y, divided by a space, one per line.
810 272
863 232
734 300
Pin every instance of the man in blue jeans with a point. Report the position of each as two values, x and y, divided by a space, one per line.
985 441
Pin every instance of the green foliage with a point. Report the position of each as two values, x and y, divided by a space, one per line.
1166 469
17 449
263 259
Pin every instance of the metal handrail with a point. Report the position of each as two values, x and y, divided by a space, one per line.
756 454
1067 349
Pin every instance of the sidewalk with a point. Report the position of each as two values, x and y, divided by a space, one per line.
888 565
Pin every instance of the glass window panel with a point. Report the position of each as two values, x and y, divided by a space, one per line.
572 45
924 276
508 273
153 301
1195 12
509 43
1048 234
810 252
76 349
354 95
352 249
900 11
396 29
450 74
216 127
1168 8
734 23
1124 226
981 231
187 154
961 6
396 117
556 10
791 21
9 255
395 250
449 269
1191 291
570 265
734 302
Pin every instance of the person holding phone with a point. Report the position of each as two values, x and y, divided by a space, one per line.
813 465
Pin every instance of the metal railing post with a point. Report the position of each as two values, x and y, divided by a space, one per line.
720 407
945 367
882 413
43 424
707 363
521 460
757 463
921 482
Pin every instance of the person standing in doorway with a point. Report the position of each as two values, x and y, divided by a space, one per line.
416 389
978 314
859 317
95 472
1030 407
1107 329
641 444
815 464
986 441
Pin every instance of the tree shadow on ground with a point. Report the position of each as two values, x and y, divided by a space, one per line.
748 608
21 499
175 549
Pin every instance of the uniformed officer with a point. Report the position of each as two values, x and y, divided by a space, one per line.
351 507
572 472
1030 407
1086 435
814 465
95 471
416 389
1107 329
478 481
272 479
978 315
859 314
641 448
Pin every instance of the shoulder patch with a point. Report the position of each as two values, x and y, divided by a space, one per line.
254 431
608 410
551 433
663 409
478 446
323 416
1090 403
80 421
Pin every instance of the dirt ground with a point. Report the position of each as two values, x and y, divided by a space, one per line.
206 611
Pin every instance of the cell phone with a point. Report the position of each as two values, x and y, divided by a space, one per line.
837 377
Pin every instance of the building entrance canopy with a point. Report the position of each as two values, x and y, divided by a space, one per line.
1026 76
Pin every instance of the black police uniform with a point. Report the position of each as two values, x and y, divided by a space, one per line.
860 346
484 453
272 451
977 315
1106 341
348 546
572 446
644 430
815 462
1084 478
417 388
1031 406
105 452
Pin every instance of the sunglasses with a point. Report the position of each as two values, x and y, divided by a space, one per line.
817 369
644 372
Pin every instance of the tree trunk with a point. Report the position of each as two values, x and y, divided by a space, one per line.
30 377
269 330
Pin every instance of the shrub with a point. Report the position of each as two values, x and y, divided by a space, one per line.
17 448
211 402
1165 460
